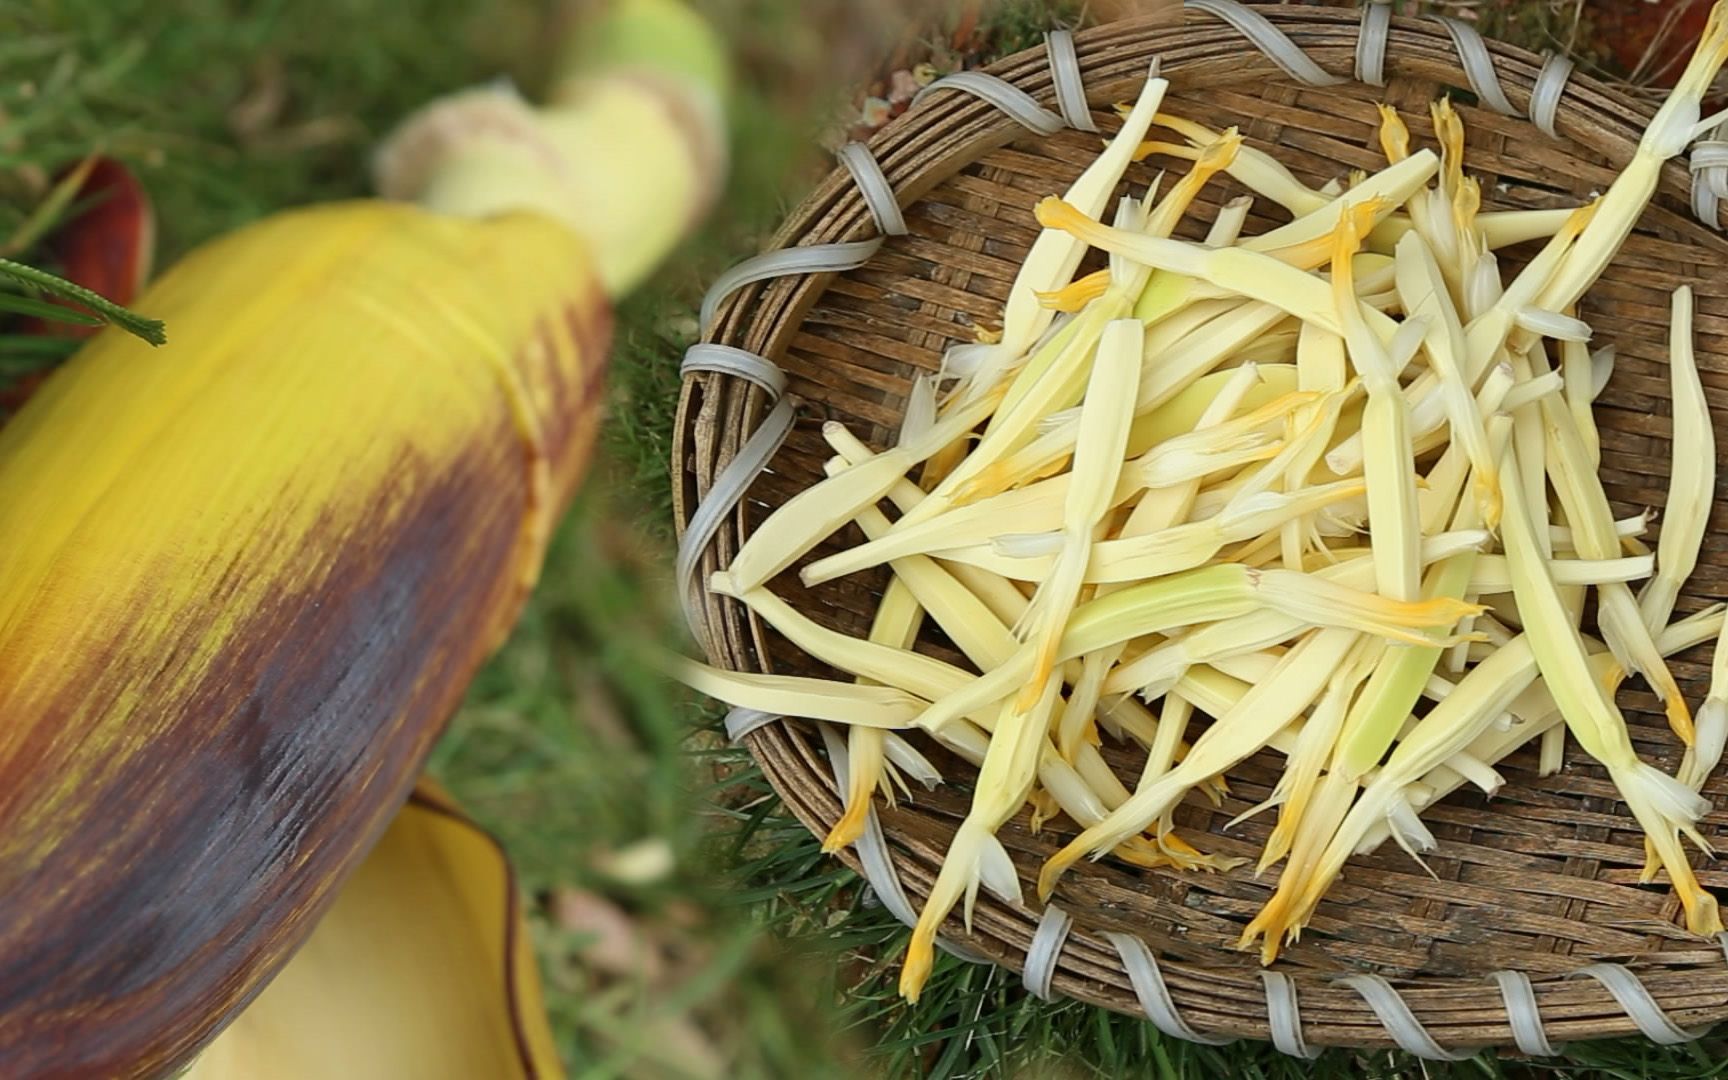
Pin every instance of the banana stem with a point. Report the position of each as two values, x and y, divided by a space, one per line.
628 151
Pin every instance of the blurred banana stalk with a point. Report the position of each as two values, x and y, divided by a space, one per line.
246 577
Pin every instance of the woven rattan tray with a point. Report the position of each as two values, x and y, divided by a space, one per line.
1543 884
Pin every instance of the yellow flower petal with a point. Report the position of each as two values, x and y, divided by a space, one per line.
423 969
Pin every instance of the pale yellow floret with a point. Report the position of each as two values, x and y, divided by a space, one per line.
1261 477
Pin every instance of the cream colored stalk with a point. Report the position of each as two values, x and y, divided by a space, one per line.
1422 207
1159 509
1659 802
1157 669
815 513
1691 493
1422 287
1256 170
1001 596
1038 507
1166 332
1626 529
1266 709
975 855
1226 228
1173 462
1533 390
1314 743
1508 228
1485 339
1026 557
1579 488
1054 256
883 707
1493 575
1397 682
1266 176
1483 286
1449 727
917 674
1387 190
1054 377
1705 753
1172 724
1692 480
1216 693
1105 418
1536 705
1390 467
1079 719
1322 364
896 624
1171 371
1676 124
1445 481
1206 595
1578 372
1252 274
1449 242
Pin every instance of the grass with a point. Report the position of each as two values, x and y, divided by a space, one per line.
765 958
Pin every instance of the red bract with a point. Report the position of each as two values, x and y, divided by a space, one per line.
108 245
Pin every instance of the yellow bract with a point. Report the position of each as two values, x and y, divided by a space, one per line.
423 968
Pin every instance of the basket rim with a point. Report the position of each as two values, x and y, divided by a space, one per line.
717 411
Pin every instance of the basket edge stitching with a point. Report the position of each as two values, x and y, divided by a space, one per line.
1385 1000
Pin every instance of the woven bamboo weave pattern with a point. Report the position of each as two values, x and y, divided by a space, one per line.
1542 882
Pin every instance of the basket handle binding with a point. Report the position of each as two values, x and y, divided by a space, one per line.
1065 76
1709 170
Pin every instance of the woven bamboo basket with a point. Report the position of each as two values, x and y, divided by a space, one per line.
1535 930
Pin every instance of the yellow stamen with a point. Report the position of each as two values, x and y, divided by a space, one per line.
1043 809
1077 294
1316 252
1449 129
1394 136
1466 204
1175 150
